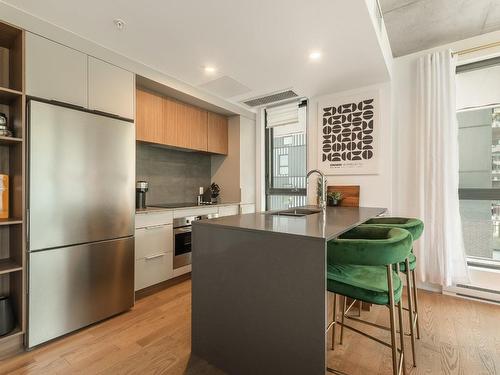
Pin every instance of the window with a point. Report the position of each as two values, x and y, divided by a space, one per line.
286 156
479 153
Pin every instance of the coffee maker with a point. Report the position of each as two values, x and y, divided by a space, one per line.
141 187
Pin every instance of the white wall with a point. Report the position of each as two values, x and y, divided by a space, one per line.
247 160
225 170
235 173
375 190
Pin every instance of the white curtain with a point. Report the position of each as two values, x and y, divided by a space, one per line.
441 254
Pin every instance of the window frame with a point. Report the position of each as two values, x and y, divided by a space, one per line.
269 189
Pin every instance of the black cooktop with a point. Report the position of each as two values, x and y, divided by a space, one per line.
179 205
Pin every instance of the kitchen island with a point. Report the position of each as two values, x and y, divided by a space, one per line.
259 289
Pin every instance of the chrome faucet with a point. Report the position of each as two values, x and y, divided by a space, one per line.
322 197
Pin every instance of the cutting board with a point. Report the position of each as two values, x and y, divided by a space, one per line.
350 194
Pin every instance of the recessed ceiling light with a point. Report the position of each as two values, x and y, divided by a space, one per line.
210 69
315 55
120 24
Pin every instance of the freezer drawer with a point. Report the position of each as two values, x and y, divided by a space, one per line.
72 287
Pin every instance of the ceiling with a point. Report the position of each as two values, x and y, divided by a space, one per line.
416 25
258 46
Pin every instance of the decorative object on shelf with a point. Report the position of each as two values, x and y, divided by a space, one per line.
214 192
348 129
334 198
7 321
4 199
4 127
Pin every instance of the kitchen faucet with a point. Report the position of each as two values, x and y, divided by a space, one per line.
322 197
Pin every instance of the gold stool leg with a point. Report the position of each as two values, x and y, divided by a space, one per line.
392 315
410 311
334 319
401 331
342 320
415 300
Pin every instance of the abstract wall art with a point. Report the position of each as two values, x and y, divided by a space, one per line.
348 129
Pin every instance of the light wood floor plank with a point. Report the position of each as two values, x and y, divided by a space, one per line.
458 337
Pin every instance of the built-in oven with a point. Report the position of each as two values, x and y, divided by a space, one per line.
182 238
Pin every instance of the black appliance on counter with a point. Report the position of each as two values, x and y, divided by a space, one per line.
141 188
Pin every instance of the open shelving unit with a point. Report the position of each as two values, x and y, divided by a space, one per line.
12 163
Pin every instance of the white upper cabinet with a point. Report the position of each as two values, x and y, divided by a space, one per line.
55 72
111 89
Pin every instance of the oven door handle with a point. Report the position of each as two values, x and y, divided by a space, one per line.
182 230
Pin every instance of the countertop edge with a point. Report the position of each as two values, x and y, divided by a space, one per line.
230 227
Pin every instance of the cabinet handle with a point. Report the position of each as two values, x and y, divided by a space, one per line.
155 227
155 256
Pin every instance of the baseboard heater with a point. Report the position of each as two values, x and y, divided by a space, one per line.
480 293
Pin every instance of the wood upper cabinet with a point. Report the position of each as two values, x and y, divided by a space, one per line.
191 127
150 117
217 133
169 122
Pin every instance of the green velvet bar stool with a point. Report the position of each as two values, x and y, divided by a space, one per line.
415 227
363 264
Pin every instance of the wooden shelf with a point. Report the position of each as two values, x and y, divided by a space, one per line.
7 96
12 163
8 266
10 221
16 332
10 140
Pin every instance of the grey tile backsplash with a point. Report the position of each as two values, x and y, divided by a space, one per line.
174 176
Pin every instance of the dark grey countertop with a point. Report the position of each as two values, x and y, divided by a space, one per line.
333 223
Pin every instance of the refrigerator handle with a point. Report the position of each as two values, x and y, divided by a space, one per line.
27 227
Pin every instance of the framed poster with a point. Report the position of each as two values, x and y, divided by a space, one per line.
348 131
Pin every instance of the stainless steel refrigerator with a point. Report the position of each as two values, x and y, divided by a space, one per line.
81 206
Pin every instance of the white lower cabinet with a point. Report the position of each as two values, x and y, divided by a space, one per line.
247 208
153 269
229 210
153 255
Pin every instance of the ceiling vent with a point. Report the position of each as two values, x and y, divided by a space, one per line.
268 99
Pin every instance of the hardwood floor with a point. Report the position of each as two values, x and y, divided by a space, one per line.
458 337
